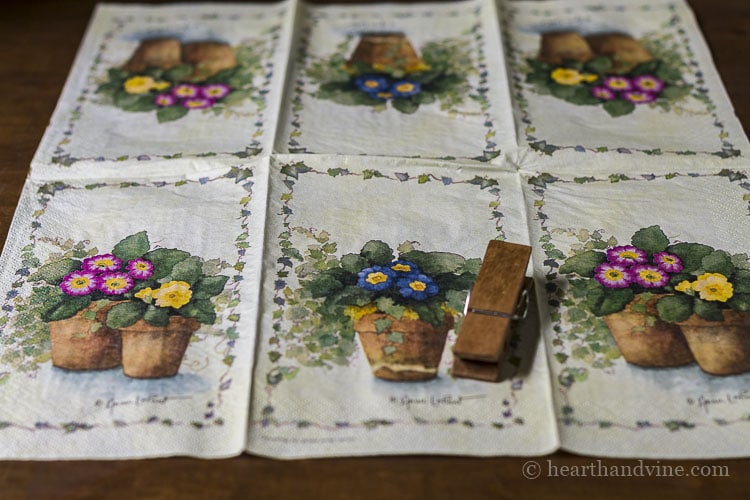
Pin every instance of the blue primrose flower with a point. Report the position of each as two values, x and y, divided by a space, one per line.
404 88
371 83
376 278
417 287
403 267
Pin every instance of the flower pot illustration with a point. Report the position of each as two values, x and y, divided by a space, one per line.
720 347
625 52
386 50
156 351
559 46
82 343
402 349
646 341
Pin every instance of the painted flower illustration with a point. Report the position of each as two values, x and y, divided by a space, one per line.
165 100
638 97
173 294
196 103
215 90
626 255
185 91
713 287
568 76
648 83
79 283
115 283
650 276
371 83
603 93
376 278
417 287
613 275
403 267
617 83
405 88
140 269
101 263
668 262
139 84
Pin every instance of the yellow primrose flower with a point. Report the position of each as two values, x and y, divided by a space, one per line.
146 295
139 84
173 294
567 76
684 286
357 312
418 66
713 287
410 313
161 85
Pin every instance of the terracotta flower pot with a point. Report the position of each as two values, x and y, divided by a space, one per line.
385 49
720 347
156 351
406 349
559 46
81 343
644 342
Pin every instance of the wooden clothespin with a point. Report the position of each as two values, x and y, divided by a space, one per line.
498 299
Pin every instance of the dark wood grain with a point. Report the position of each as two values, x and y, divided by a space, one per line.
39 41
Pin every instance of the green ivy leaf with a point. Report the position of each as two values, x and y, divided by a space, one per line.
66 308
54 272
323 285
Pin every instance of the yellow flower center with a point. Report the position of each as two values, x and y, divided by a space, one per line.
80 282
141 266
372 84
115 283
415 67
401 267
613 275
638 97
418 286
376 278
684 286
628 255
405 87
138 84
144 295
618 83
384 95
104 263
650 276
566 76
160 85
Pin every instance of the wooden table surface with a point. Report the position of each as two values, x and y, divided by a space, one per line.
40 39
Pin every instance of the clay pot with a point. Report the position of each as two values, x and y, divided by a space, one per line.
407 349
625 51
391 50
79 343
161 53
208 58
559 46
720 347
658 344
156 351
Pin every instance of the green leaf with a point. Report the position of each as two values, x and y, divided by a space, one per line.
353 263
349 296
611 301
237 97
171 113
188 270
125 314
718 262
388 306
741 281
618 107
202 310
710 311
209 286
424 97
132 247
66 308
740 302
164 259
434 263
562 91
582 97
324 285
377 253
407 105
584 263
600 65
674 92
645 68
179 73
691 255
134 102
156 316
54 272
675 308
650 239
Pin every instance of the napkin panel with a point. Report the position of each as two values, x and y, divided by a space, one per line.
616 78
344 244
162 82
398 80
644 310
129 316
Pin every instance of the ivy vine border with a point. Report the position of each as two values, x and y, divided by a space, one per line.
285 263
569 375
508 13
490 150
210 415
63 158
